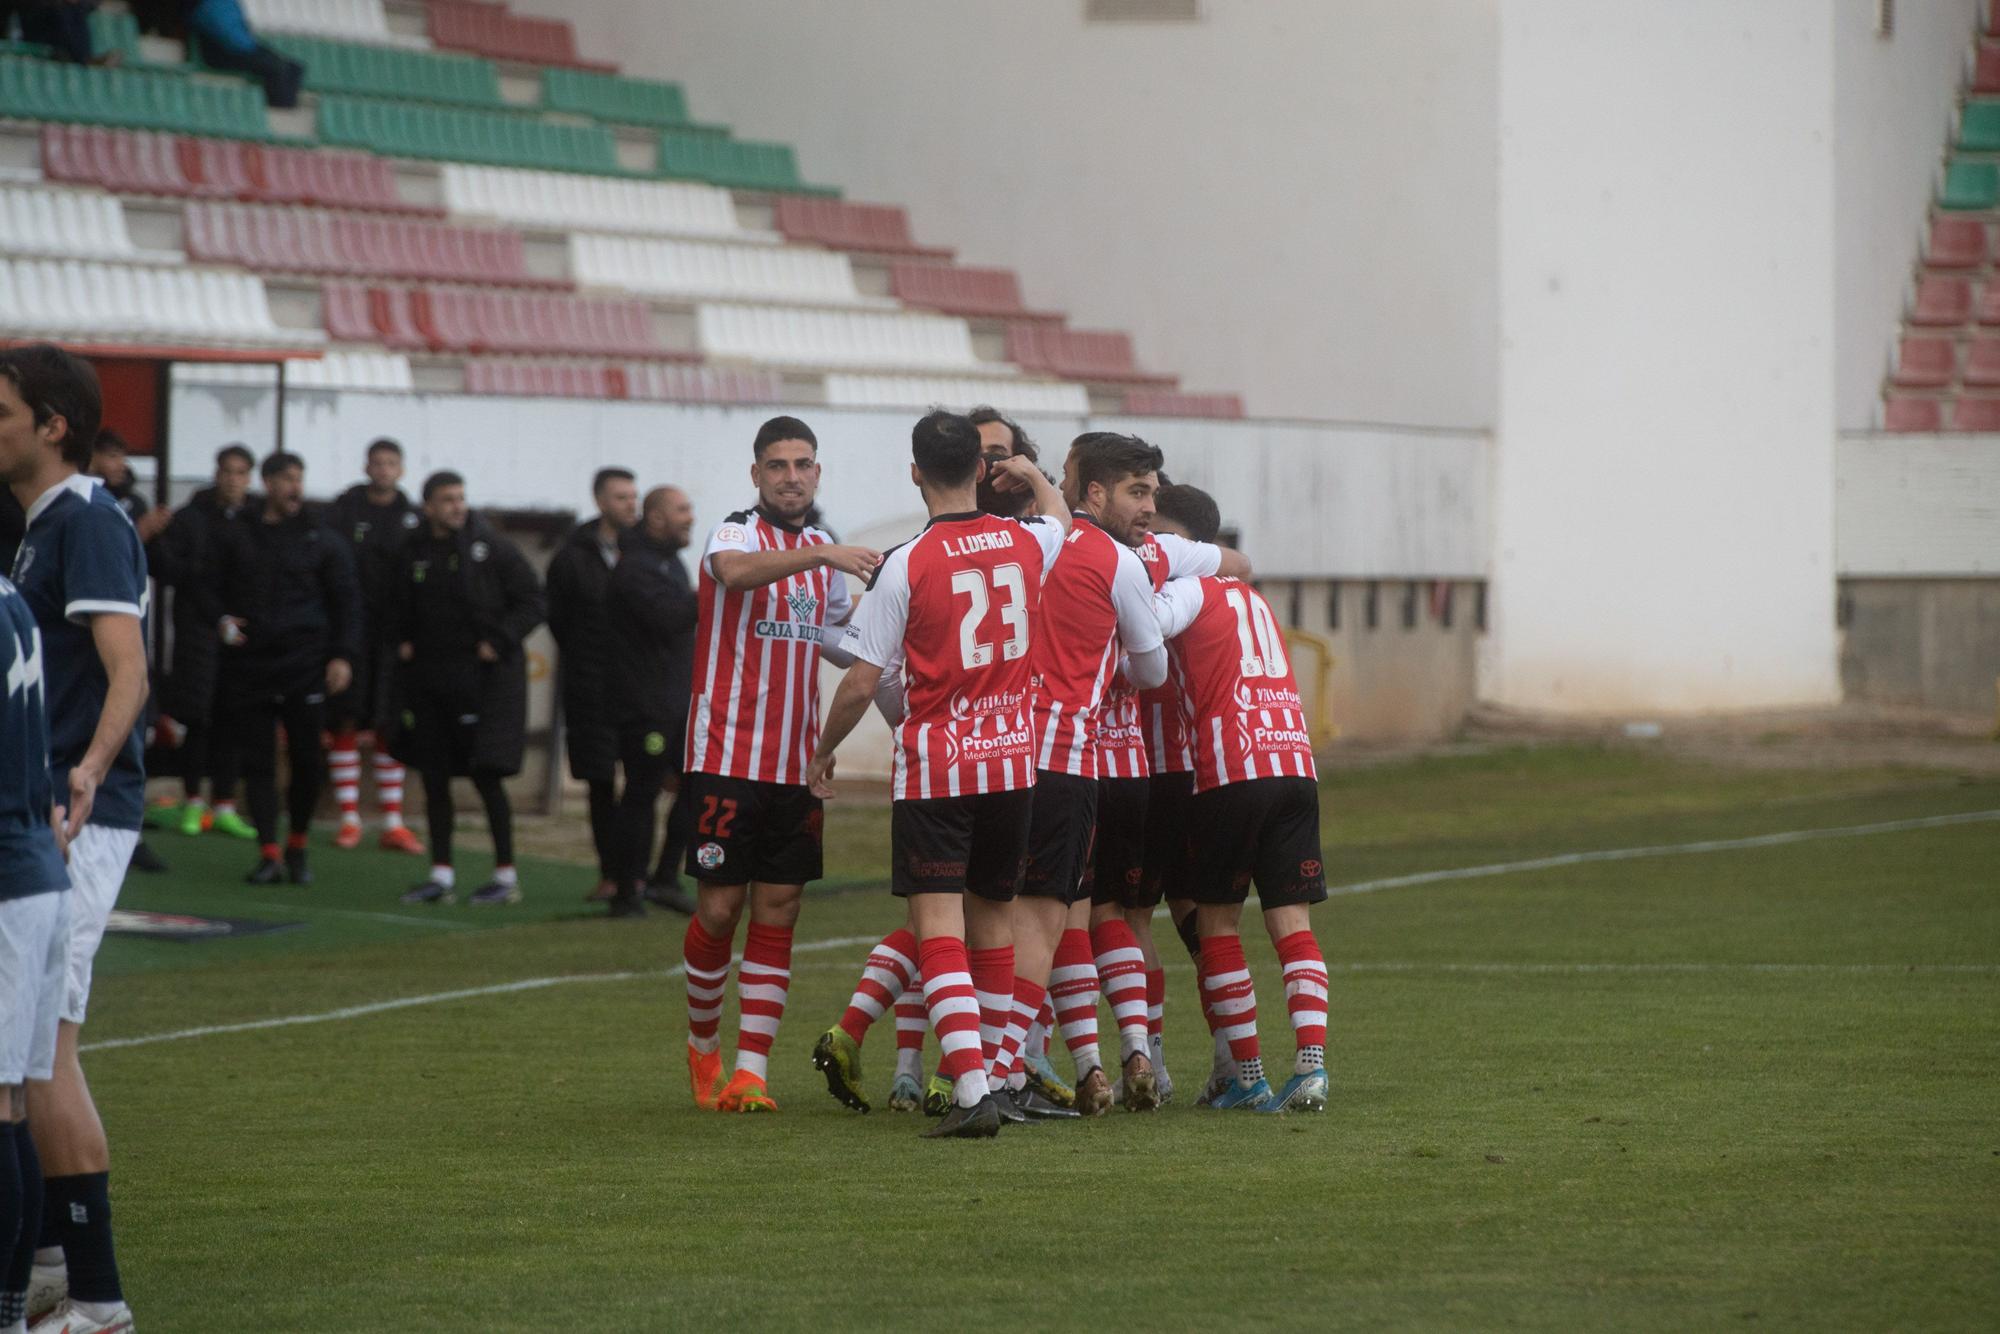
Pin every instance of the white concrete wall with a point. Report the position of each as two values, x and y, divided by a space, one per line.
1291 198
1918 506
1663 506
1893 114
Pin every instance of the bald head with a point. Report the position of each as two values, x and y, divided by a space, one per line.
668 516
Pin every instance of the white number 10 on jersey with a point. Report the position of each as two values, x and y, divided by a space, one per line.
1009 581
1258 636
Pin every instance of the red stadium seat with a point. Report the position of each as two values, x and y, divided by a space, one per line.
957 291
1986 70
1956 243
393 310
1912 415
1986 310
1973 414
219 168
345 312
490 30
1925 363
1167 403
1982 363
1076 354
840 225
1942 302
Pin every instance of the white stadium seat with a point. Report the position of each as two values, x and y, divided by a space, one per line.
782 336
381 371
41 220
106 302
916 391
704 268
569 202
352 20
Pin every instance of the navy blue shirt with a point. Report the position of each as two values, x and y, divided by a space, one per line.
82 558
29 862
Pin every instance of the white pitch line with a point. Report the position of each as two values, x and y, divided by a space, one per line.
435 998
1413 966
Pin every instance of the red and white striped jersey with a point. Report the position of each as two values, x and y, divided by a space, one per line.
954 610
1124 745
1164 721
1097 600
754 713
1248 719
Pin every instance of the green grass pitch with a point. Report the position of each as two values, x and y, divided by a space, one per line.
1744 1088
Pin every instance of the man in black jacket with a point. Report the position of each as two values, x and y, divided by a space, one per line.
466 599
290 626
653 610
579 581
184 558
376 519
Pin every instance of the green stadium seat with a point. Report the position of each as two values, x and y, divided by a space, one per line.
115 32
459 134
1971 185
1979 128
143 99
611 97
384 71
697 155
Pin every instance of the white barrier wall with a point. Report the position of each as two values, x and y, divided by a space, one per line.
1919 506
1663 503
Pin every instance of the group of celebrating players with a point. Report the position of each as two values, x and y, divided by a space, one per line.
1093 713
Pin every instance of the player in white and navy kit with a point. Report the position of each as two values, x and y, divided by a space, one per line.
771 585
954 610
82 571
34 939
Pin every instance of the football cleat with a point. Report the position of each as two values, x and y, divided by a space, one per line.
1241 1097
400 839
704 1074
266 872
979 1121
349 835
1302 1093
494 894
232 824
745 1092
1039 1108
1010 1112
906 1095
66 1319
48 1288
937 1096
431 891
1093 1094
1043 1079
838 1057
194 820
1160 1075
1139 1089
296 868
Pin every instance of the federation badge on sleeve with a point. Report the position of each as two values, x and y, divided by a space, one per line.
729 532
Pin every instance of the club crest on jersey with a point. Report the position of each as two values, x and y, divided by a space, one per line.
803 604
480 551
708 856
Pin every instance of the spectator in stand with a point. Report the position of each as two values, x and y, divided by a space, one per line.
579 583
61 25
228 43
185 557
653 610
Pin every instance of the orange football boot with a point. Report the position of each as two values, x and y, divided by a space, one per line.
704 1074
746 1093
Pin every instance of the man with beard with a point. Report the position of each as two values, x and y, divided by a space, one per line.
466 600
291 630
652 611
375 518
579 618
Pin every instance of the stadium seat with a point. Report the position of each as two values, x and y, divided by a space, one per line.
1925 363
585 203
1979 127
612 97
702 384
916 391
1075 354
458 319
143 162
1986 70
40 220
543 379
142 99
489 30
1986 306
502 138
992 293
707 269
115 31
304 240
1956 243
1167 403
387 71
1972 414
698 155
863 339
354 20
1913 415
219 167
384 372
839 225
1982 363
1942 302
133 303
1970 185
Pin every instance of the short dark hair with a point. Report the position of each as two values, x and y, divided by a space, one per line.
279 462
1192 508
438 481
235 452
945 448
110 442
611 475
383 444
56 383
1108 458
1024 448
782 428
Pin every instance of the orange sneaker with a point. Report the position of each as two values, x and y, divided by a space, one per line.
746 1093
348 837
400 839
704 1074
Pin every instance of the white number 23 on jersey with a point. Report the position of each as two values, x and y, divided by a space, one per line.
1013 587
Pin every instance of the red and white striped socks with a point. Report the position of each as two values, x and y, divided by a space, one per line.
885 976
1073 993
1031 999
706 960
1305 997
343 763
763 980
1156 1003
993 985
911 1025
1231 1001
389 790
1121 971
953 1006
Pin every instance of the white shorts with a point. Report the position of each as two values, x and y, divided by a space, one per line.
97 862
34 949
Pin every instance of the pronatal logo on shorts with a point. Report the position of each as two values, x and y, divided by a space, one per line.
708 856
